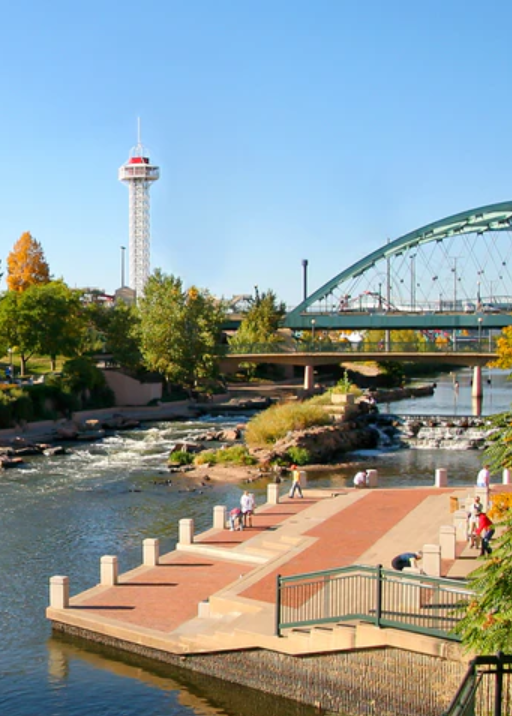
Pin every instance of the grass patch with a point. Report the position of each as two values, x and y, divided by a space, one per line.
268 427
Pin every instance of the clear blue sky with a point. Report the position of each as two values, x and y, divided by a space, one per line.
284 129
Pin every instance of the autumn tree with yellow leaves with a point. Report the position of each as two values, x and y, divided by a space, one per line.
26 264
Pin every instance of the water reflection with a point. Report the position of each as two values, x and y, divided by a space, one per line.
195 692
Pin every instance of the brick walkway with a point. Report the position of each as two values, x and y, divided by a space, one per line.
164 597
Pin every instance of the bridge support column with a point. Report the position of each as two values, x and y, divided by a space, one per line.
476 388
309 377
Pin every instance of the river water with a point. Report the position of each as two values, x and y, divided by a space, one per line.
60 515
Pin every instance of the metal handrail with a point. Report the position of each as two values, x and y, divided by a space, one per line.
386 598
485 689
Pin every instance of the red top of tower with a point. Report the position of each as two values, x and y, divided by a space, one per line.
138 160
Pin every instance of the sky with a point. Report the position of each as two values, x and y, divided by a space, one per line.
284 130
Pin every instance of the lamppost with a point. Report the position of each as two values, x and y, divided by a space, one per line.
313 322
479 331
123 249
305 278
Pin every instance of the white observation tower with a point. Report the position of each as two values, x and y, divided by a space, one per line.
138 173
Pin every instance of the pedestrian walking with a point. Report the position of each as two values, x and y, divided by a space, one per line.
295 482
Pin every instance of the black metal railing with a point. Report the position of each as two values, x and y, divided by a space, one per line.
386 598
486 690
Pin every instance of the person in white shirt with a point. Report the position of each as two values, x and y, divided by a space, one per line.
246 504
483 477
361 479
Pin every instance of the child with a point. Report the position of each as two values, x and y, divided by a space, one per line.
235 516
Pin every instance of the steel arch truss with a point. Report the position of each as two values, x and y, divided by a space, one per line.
460 264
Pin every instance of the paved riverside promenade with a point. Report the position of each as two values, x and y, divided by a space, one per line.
217 590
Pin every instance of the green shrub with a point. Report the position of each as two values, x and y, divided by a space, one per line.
181 457
271 425
299 456
234 455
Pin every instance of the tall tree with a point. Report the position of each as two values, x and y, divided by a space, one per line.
114 330
179 330
44 319
261 322
26 264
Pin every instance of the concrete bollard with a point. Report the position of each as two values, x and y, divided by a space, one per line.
219 517
460 522
506 476
108 570
273 493
441 478
303 478
59 592
447 541
150 552
483 493
373 478
186 531
431 562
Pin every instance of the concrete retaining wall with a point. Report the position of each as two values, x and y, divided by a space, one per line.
387 682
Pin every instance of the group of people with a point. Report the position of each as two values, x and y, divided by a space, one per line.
240 517
480 528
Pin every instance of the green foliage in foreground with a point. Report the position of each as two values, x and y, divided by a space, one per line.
235 455
271 425
498 453
486 626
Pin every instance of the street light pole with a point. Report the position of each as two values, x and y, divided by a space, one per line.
479 332
305 278
123 249
313 330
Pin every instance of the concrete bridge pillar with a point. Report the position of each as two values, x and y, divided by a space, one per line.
309 377
476 388
59 592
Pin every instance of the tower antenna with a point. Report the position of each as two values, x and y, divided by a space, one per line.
138 173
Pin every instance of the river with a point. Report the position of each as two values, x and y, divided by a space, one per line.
60 515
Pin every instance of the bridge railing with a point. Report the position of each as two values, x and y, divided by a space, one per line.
386 598
484 346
